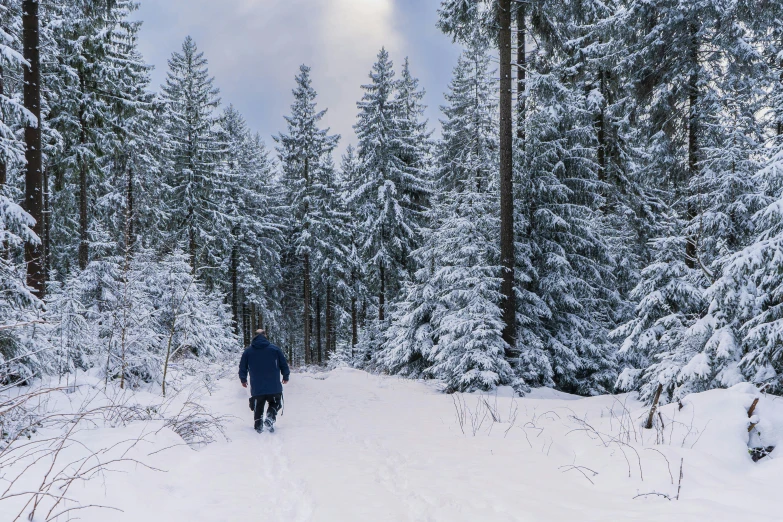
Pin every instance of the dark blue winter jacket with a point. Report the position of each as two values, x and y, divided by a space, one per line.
265 362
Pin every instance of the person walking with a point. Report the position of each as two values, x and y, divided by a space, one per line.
266 363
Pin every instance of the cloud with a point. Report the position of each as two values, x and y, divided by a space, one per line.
255 47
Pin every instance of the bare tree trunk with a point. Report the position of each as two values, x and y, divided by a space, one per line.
382 293
521 73
506 175
354 314
306 297
693 139
129 204
253 320
328 317
318 336
84 245
3 167
47 227
235 284
36 278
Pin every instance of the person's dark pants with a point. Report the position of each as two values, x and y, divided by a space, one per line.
274 401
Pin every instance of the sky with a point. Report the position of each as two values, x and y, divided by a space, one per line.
255 47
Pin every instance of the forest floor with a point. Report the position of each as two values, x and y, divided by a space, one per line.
351 446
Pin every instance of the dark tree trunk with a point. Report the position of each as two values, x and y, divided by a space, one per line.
306 297
382 293
354 314
47 226
245 324
318 336
329 320
84 245
3 167
235 284
36 277
521 73
192 240
129 203
253 320
693 139
506 175
600 124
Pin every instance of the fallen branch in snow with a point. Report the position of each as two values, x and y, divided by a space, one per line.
579 469
664 495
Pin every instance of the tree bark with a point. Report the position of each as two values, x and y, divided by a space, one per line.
3 168
47 226
506 175
354 314
693 139
521 73
84 246
235 284
36 277
329 320
318 336
382 293
129 203
306 297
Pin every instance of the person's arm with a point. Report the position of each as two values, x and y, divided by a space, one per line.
283 366
243 369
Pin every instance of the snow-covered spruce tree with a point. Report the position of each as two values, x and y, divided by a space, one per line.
192 320
305 156
569 275
194 148
447 324
699 92
19 345
389 196
355 289
80 111
492 19
249 203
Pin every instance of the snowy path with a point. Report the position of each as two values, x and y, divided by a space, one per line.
356 447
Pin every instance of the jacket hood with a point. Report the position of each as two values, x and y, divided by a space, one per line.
259 341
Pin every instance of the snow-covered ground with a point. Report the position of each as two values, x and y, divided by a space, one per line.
351 446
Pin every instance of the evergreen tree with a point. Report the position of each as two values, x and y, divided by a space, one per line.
388 199
191 100
305 156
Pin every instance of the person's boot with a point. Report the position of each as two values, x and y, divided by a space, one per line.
259 426
270 425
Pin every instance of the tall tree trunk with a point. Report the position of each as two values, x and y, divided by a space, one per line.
506 175
253 320
306 297
192 240
47 226
245 324
693 139
36 278
354 314
329 319
3 167
84 246
600 124
130 205
318 336
235 283
382 293
521 73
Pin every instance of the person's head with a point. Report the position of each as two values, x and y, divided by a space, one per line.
260 331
